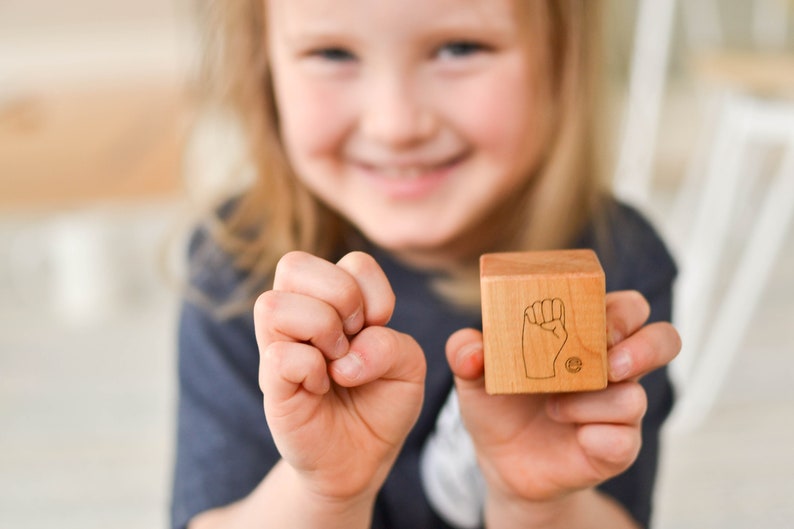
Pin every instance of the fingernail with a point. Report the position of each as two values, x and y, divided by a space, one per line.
349 366
619 364
353 324
615 336
466 352
340 349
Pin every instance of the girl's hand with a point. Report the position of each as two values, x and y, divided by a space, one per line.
341 391
538 448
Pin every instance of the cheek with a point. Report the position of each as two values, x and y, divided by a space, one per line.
312 118
501 119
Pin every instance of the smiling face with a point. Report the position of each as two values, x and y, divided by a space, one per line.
413 119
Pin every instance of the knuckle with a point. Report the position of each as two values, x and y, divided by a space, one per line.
662 342
418 362
381 338
627 311
268 305
635 402
288 264
271 360
382 313
265 305
366 270
674 337
292 259
637 296
639 299
625 448
348 293
359 262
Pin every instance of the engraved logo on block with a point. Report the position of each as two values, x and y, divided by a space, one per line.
543 336
573 364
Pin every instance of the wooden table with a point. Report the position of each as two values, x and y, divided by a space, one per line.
66 148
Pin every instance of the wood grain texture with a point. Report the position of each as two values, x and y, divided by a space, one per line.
544 322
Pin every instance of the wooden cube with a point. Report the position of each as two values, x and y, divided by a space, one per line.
544 322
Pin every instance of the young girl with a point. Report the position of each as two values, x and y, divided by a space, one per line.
393 142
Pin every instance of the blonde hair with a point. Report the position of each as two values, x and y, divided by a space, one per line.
276 214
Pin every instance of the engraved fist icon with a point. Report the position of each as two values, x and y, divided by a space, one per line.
543 337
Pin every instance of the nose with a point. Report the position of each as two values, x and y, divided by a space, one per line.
395 112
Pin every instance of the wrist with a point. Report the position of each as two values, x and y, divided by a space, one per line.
581 509
505 511
318 506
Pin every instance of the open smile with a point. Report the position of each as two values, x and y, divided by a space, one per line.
409 181
408 170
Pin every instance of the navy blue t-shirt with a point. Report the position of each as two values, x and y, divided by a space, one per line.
224 448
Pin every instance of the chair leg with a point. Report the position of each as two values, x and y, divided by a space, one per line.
679 221
652 34
702 253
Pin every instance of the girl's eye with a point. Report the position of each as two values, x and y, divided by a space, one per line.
333 54
458 49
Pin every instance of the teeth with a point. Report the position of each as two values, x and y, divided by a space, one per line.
401 173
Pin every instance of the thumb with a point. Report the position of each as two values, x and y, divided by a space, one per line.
556 327
465 357
380 352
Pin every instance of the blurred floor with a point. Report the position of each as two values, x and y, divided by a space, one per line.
86 406
736 470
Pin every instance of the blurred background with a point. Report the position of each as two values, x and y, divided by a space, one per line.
95 114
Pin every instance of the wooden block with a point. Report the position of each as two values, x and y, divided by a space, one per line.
544 322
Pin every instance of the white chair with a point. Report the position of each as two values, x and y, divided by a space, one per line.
750 97
751 94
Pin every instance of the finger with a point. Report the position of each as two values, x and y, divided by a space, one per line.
286 316
558 310
623 403
537 309
626 311
529 315
373 285
465 355
651 347
611 448
286 367
379 353
555 327
303 273
548 312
